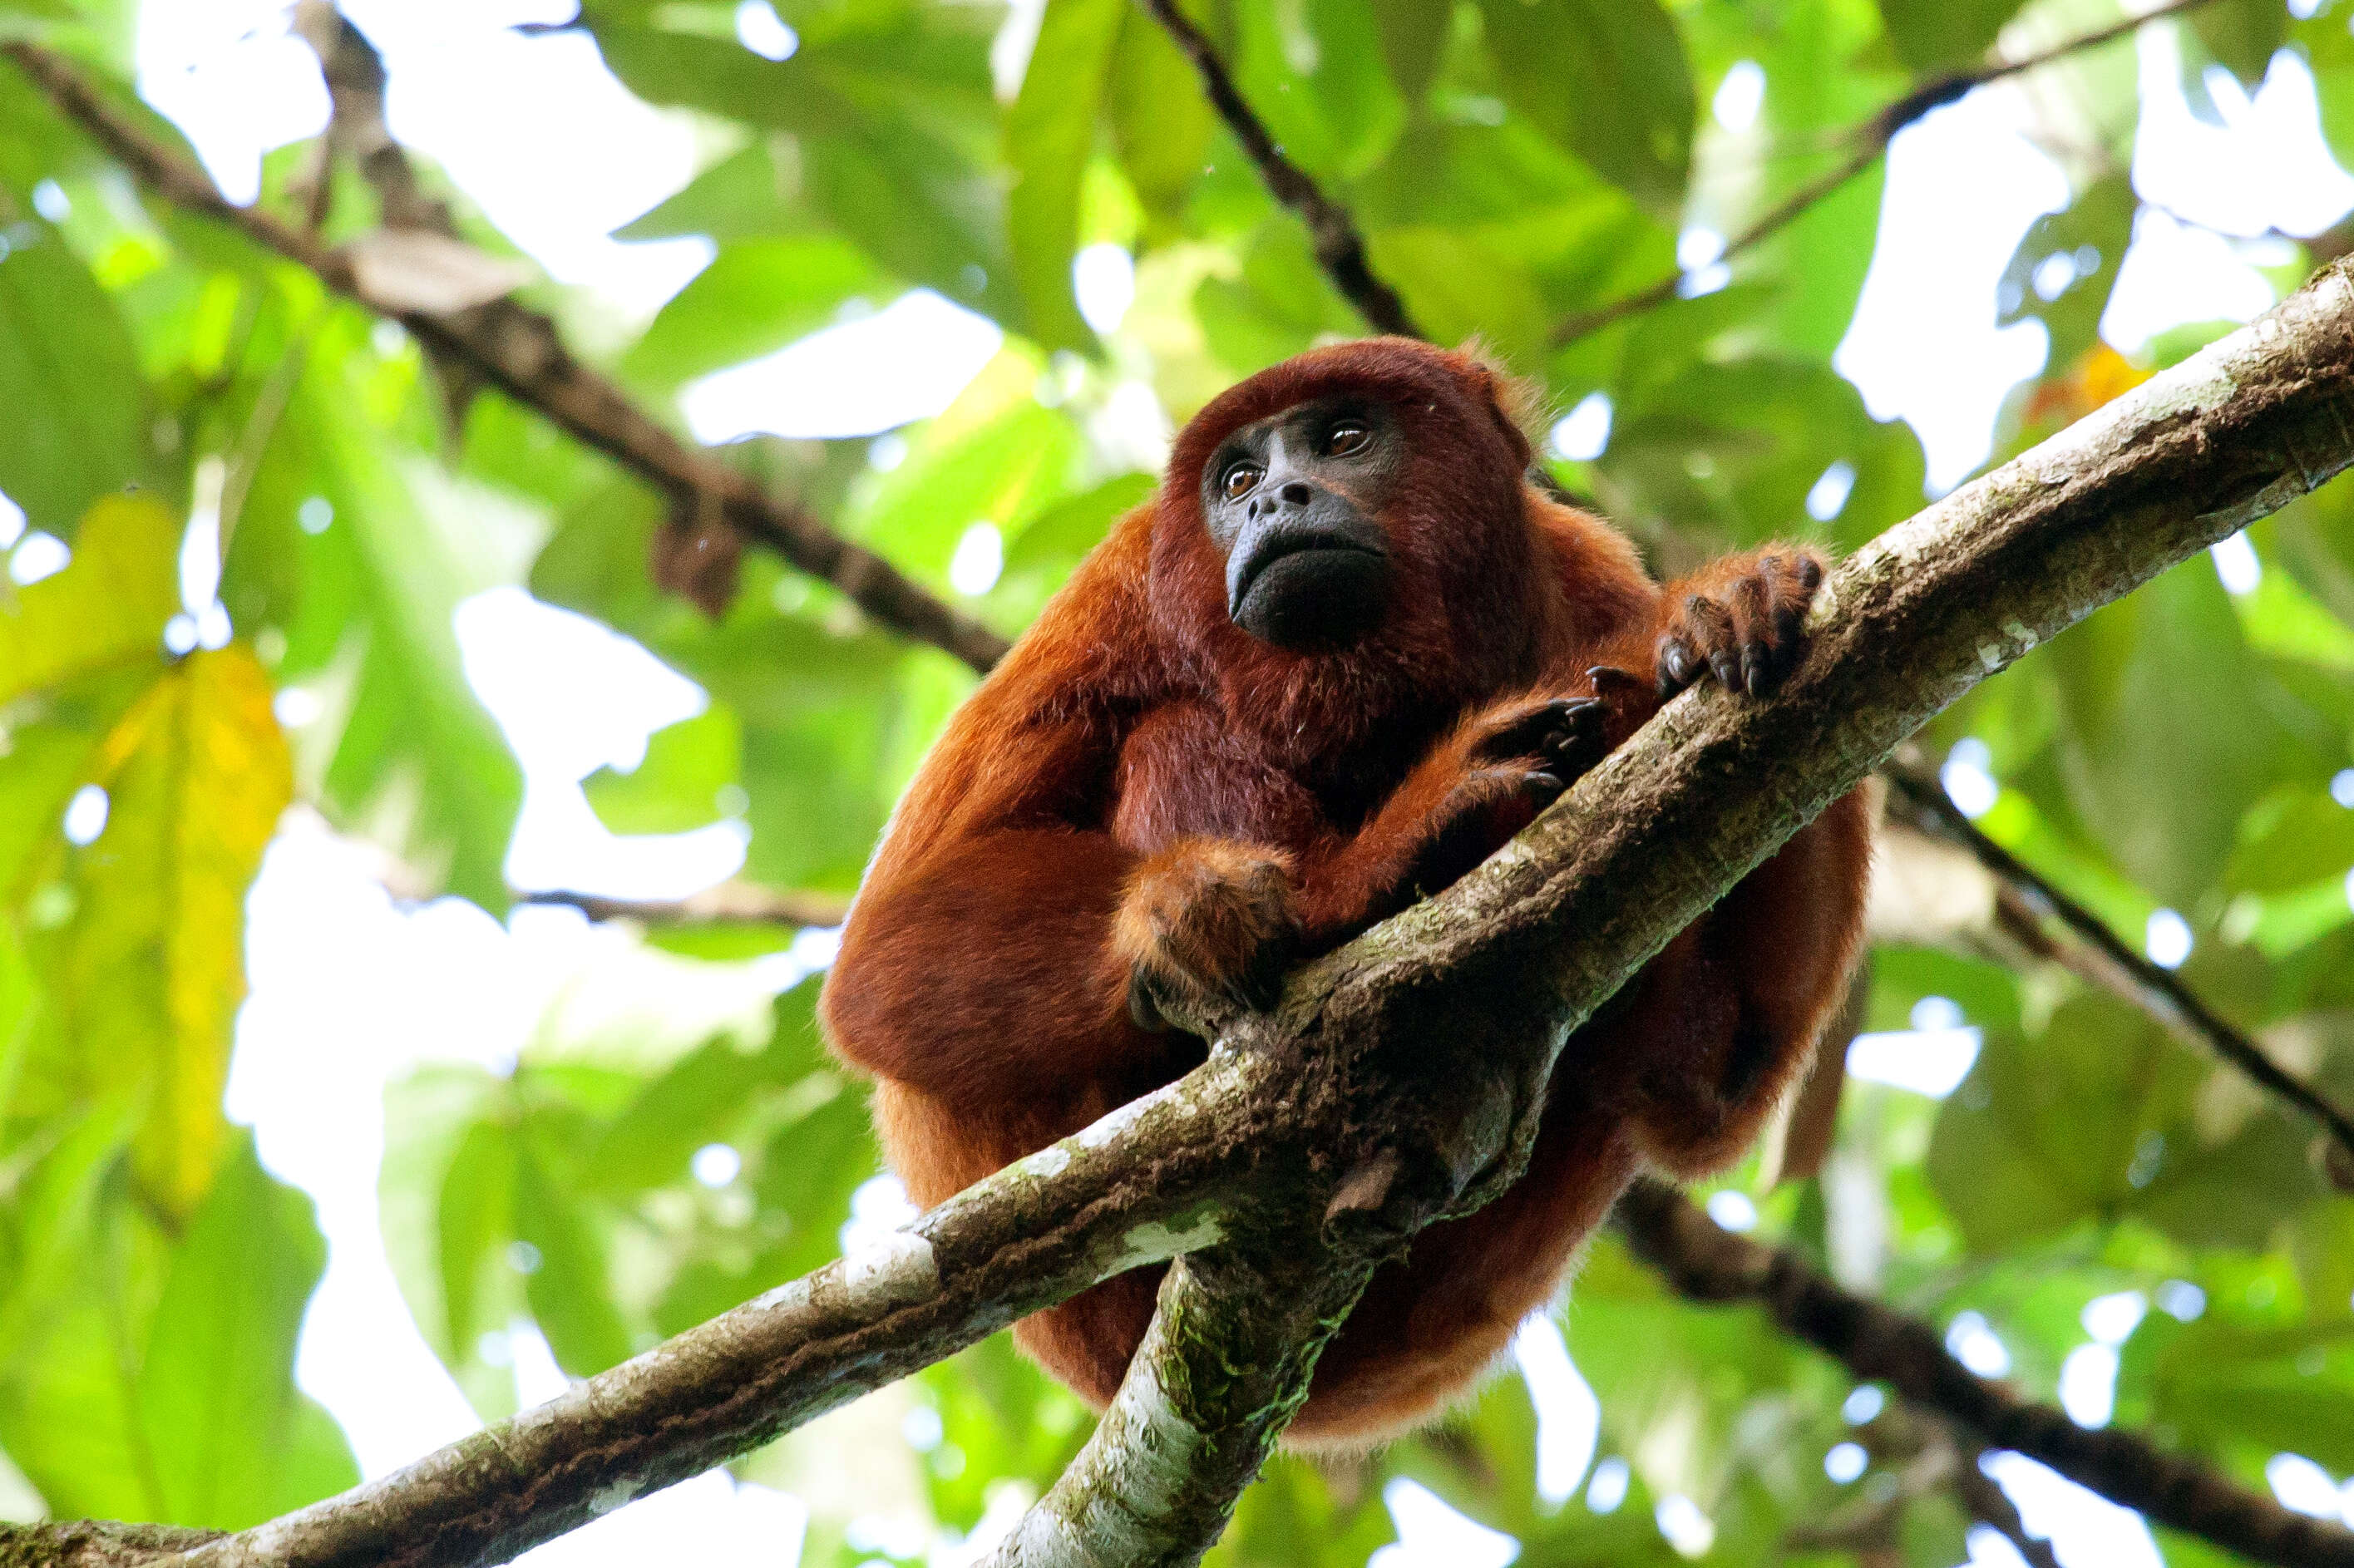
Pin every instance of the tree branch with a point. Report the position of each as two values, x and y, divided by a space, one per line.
2026 900
354 76
1339 247
519 351
1163 1174
1223 1366
729 904
1706 1263
1865 144
95 1543
1989 1504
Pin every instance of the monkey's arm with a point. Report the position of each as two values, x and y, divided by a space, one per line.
1008 944
1480 785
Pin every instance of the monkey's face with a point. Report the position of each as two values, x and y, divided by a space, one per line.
1293 502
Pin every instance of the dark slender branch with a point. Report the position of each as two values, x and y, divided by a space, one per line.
2026 900
355 75
1992 1506
1339 247
356 128
1706 1263
519 351
729 904
1865 143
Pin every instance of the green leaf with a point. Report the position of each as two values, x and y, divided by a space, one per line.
1162 124
755 296
744 196
2227 1383
1277 307
2327 44
232 1441
1931 35
995 456
570 1282
680 785
1314 71
1290 1518
474 1221
445 1203
2241 36
1067 530
106 609
1456 288
149 970
2097 1117
2050 260
1631 111
78 424
403 751
2161 745
894 128
1050 135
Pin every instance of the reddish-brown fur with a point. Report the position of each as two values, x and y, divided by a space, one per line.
1143 786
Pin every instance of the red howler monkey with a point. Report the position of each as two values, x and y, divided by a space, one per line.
1341 657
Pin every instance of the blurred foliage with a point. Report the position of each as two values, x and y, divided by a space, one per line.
2187 750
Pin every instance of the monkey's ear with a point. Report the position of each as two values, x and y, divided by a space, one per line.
1517 402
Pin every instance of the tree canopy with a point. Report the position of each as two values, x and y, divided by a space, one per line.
260 458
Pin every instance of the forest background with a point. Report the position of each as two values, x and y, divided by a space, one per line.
419 831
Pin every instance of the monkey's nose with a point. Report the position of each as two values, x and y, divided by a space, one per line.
1294 496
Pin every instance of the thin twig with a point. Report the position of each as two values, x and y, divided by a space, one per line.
355 75
729 904
1865 141
356 127
1339 247
1992 1507
519 352
1706 1263
2025 899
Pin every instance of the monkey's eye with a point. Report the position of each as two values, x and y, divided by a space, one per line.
1346 438
1240 479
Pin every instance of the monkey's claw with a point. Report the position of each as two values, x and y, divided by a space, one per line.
1746 630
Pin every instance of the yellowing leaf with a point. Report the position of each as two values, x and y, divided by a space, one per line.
2102 374
106 607
150 969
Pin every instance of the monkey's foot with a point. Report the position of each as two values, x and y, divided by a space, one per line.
1206 920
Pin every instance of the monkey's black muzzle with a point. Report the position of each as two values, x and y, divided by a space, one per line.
1308 570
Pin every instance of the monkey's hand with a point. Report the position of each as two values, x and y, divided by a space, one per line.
1518 758
1742 621
1206 921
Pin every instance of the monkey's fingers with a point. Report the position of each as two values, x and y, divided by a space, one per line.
1584 741
1529 731
1769 610
1144 1003
1612 684
1701 640
1259 986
